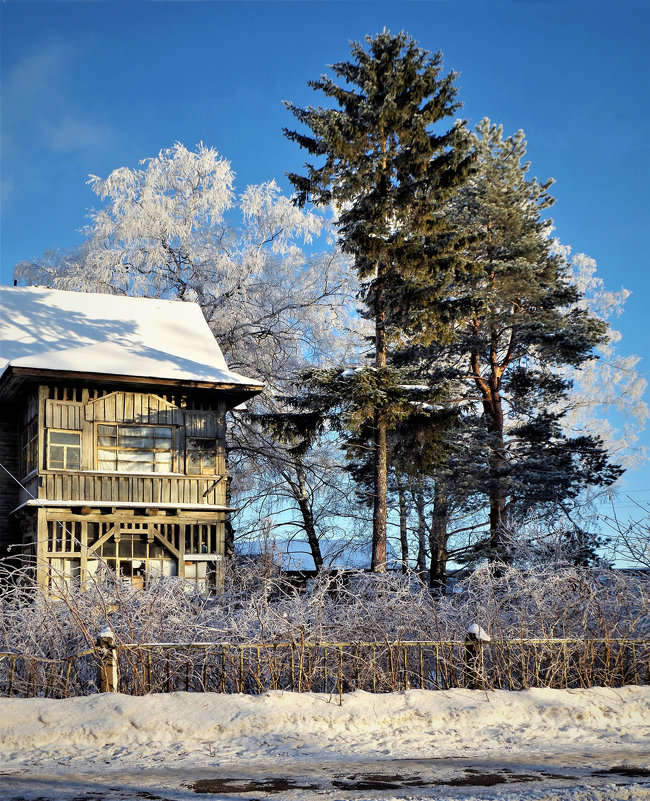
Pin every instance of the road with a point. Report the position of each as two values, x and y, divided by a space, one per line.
583 777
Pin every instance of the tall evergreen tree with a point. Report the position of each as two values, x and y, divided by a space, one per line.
389 169
523 328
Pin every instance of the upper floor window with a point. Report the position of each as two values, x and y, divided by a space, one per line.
29 446
201 456
134 448
64 450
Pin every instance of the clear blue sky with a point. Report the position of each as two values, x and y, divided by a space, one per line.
91 86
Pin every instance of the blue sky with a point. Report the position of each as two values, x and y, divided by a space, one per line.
91 86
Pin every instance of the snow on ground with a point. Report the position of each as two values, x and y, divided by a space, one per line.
168 741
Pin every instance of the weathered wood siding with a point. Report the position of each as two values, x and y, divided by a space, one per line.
82 410
10 458
133 407
141 488
63 414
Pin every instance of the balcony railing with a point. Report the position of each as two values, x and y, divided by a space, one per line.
88 487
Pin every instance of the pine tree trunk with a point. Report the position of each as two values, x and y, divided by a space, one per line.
378 561
489 387
403 531
422 534
378 558
496 464
438 539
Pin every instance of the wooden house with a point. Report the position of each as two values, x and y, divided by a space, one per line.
112 436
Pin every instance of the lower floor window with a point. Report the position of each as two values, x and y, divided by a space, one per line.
204 574
64 573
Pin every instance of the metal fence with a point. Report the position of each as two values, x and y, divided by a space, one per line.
329 667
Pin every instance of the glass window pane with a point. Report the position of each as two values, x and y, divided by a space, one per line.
64 438
136 431
73 462
108 548
136 442
134 467
104 429
135 456
106 440
125 548
140 548
56 453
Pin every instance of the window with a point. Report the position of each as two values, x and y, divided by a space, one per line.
201 456
134 449
64 450
204 574
29 446
64 574
132 551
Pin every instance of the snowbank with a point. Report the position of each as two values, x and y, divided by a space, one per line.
286 726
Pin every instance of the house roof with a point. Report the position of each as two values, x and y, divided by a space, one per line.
52 330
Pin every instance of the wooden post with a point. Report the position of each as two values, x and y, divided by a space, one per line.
474 671
107 671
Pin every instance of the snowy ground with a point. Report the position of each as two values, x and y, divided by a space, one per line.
575 745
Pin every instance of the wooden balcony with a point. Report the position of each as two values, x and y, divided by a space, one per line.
124 488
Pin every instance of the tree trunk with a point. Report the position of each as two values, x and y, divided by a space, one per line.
438 539
378 561
422 533
308 517
403 532
229 534
489 386
378 558
496 464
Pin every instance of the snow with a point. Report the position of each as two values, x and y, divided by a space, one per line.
53 329
164 740
478 633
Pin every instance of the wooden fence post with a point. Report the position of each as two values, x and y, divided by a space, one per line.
107 672
474 669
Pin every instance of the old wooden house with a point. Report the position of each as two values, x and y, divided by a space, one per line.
112 436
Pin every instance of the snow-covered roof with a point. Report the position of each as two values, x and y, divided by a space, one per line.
84 332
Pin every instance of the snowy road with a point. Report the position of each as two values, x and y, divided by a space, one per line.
618 777
533 745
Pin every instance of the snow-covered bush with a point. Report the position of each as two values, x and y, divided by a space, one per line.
259 605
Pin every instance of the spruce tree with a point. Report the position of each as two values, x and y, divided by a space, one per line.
389 170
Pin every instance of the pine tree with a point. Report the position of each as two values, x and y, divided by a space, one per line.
523 328
388 171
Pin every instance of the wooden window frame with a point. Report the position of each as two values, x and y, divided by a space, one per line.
66 448
210 470
117 449
29 447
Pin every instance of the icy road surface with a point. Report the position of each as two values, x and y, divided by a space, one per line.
575 745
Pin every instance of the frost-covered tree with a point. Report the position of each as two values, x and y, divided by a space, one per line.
607 393
388 168
175 228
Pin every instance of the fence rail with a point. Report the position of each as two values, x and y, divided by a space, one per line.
330 667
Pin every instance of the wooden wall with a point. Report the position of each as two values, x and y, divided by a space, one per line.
10 459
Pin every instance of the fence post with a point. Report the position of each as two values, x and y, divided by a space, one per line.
107 673
475 678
